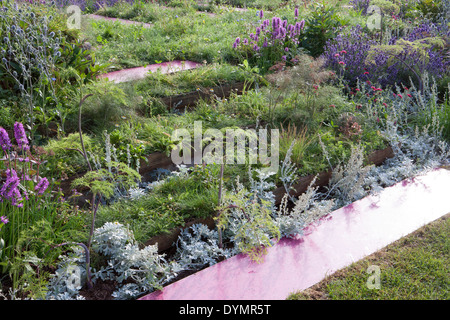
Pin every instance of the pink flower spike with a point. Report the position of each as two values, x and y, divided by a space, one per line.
341 62
343 52
336 55
399 95
4 219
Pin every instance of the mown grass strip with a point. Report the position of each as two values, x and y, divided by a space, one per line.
416 267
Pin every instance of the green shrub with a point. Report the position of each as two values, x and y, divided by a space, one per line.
322 24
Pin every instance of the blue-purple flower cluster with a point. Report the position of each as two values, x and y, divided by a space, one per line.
360 5
385 68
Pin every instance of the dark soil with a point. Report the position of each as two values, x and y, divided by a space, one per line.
102 290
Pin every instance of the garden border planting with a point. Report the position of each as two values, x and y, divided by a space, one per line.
338 239
99 17
166 241
165 150
181 101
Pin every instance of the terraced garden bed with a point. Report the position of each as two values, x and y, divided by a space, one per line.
286 124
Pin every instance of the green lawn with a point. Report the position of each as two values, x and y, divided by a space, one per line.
415 267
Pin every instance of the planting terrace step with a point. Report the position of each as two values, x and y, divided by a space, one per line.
190 99
339 239
161 160
99 17
137 73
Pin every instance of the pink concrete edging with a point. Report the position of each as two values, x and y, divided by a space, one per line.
141 72
341 238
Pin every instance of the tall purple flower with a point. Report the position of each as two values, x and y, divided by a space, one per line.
41 186
10 190
261 14
296 13
4 220
21 136
5 142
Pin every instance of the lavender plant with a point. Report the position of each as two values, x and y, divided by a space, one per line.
360 5
355 56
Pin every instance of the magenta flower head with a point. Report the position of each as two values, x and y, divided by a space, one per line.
236 42
41 186
296 12
5 142
21 136
302 24
275 22
10 190
261 14
4 219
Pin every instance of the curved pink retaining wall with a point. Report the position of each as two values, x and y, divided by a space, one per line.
141 72
344 236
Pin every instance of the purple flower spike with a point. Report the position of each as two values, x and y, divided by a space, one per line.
21 136
10 188
301 24
296 12
261 14
4 219
5 142
41 186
